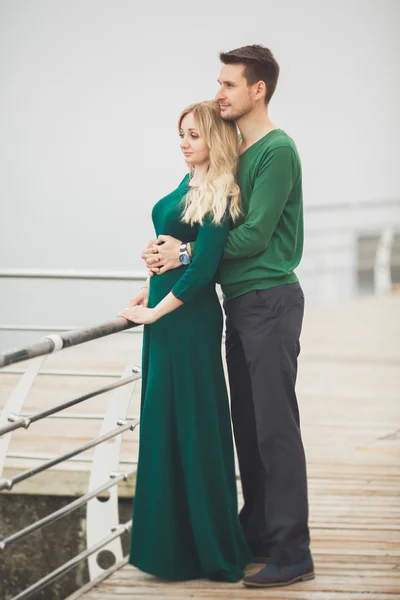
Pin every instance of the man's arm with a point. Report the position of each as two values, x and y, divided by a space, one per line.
271 191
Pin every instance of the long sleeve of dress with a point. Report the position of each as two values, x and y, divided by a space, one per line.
210 243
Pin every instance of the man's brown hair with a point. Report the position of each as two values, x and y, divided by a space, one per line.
259 65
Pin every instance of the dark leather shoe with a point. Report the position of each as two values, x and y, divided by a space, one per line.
261 560
273 576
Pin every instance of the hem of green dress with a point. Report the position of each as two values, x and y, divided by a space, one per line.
221 575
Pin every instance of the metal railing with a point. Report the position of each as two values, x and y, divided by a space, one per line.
103 530
54 343
73 274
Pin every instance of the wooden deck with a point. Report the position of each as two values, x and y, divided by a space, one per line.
349 394
349 390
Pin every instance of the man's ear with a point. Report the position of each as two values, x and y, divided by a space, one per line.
260 90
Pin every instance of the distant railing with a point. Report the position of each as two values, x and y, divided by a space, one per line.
103 529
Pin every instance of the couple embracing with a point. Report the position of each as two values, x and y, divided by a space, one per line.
236 218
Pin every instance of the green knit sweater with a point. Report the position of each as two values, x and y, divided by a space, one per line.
266 244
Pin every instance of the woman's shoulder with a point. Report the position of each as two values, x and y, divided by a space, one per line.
185 180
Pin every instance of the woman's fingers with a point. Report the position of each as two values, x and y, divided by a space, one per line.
126 314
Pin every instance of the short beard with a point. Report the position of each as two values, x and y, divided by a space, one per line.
235 115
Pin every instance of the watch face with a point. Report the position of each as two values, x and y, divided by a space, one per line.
185 259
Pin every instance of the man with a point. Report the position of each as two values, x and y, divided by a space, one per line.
264 307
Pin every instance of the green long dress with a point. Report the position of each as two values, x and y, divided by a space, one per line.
185 522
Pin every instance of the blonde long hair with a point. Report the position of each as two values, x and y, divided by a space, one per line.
218 193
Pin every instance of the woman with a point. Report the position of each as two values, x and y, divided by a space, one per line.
185 522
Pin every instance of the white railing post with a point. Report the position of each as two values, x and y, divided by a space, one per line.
15 403
103 515
382 271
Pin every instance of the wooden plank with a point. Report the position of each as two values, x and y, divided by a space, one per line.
239 594
92 584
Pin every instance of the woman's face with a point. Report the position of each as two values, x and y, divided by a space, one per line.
194 148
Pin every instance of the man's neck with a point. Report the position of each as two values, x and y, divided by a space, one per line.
254 126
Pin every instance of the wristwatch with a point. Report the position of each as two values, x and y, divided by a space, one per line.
184 256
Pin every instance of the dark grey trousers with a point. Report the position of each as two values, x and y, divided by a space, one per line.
262 345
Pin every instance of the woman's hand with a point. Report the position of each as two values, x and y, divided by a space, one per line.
162 254
139 314
141 299
148 253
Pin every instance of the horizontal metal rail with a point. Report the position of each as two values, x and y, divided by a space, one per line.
4 327
8 371
364 265
21 274
65 510
54 343
8 484
45 581
34 456
72 274
19 421
71 416
351 204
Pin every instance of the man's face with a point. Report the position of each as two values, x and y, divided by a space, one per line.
235 95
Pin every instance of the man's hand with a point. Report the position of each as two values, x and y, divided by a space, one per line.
162 254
